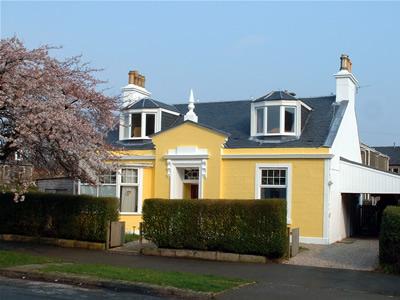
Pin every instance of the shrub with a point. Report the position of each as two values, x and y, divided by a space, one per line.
239 226
389 239
78 217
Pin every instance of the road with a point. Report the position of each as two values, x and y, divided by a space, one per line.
19 289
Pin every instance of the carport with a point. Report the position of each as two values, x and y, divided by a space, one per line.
357 180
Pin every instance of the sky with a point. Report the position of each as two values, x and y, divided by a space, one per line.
229 50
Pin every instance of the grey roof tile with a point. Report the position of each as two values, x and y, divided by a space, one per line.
277 95
151 103
233 117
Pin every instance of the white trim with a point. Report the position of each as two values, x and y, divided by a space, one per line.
170 112
135 157
314 240
182 156
130 213
257 185
276 156
327 186
172 166
140 190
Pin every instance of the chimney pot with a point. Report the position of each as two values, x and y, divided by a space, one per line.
345 63
134 77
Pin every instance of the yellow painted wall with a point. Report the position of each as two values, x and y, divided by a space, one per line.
189 134
238 182
235 178
276 151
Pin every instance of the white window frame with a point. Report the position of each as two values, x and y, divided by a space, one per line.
258 185
118 184
138 184
148 111
297 105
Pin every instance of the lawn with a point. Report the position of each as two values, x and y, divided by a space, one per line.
189 281
11 258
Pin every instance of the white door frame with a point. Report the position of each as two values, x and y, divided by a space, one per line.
173 164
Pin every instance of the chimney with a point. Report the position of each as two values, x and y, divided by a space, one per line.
135 89
135 78
346 83
345 62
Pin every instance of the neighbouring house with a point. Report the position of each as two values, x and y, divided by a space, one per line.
394 153
58 185
305 150
374 158
15 171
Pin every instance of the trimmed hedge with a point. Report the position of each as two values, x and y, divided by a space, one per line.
389 239
77 217
238 226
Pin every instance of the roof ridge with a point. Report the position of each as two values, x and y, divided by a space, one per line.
222 101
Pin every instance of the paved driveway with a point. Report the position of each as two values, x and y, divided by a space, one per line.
354 254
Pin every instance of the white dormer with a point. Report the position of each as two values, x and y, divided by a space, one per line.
145 117
277 114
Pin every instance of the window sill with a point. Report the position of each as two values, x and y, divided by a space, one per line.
130 214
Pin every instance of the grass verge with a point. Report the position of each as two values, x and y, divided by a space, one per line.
188 281
11 259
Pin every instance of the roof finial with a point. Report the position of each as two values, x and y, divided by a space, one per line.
191 115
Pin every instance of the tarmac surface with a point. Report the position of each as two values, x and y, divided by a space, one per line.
353 254
32 290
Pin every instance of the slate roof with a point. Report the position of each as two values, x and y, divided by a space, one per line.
277 95
150 103
112 139
392 151
233 117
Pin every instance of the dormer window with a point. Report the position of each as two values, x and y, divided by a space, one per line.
277 114
139 125
143 118
275 120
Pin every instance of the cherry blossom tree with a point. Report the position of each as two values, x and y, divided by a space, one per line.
52 112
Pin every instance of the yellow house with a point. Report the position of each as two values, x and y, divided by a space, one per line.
276 146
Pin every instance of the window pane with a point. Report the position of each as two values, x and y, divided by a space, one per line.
129 199
289 119
129 176
273 119
273 193
260 120
126 124
107 191
191 174
136 125
150 124
88 190
108 178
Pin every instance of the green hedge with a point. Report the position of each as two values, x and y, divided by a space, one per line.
65 216
239 226
389 239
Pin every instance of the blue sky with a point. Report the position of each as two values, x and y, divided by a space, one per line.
230 50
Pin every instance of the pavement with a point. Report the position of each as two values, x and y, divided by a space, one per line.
24 289
353 254
274 281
